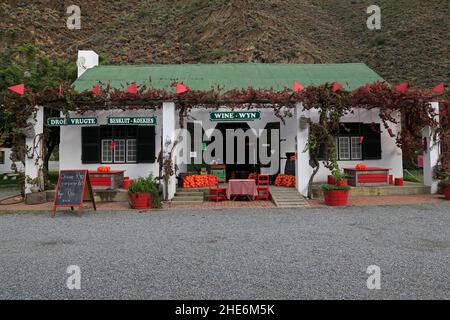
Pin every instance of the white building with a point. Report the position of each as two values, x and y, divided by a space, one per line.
137 146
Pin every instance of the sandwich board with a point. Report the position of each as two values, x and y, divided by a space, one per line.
71 190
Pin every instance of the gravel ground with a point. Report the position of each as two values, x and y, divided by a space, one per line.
229 254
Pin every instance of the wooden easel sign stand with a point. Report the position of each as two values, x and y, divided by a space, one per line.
71 190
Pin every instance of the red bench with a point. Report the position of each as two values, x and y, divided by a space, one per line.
106 180
367 176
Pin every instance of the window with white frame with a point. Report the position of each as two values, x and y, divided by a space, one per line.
349 148
107 151
119 151
344 148
131 150
118 144
356 148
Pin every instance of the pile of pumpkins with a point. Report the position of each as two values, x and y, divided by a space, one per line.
284 180
199 180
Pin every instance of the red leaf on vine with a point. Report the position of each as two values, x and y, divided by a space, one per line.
391 133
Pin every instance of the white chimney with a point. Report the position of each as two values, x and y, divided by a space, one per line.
86 59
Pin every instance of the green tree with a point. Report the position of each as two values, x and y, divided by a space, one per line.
29 65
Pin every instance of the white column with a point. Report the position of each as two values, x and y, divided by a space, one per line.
33 141
431 154
303 170
168 129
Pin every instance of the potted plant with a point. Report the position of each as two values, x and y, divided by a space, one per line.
340 178
444 185
335 195
144 193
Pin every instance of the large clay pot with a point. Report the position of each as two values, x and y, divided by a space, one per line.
336 197
141 200
342 182
447 192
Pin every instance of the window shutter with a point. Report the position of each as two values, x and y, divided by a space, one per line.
90 144
372 141
146 144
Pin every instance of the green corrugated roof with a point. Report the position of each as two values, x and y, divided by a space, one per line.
229 76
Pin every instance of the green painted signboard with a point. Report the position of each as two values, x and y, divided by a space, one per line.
234 115
131 120
88 121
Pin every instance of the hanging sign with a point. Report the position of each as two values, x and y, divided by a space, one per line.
235 116
132 120
55 122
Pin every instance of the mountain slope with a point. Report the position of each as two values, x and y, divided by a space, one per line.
412 45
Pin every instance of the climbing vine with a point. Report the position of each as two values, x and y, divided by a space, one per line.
411 107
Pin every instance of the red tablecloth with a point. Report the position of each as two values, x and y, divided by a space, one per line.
242 187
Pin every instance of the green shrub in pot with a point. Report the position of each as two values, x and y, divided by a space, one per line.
147 185
339 175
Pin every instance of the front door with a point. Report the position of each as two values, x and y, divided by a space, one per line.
235 170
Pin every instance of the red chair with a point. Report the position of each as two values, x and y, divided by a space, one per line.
215 192
263 187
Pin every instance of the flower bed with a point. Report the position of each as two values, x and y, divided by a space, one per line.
199 180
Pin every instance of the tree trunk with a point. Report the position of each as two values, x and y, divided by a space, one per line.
311 178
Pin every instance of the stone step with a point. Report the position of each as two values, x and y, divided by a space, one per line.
408 189
292 206
185 202
287 198
289 201
183 190
189 194
177 199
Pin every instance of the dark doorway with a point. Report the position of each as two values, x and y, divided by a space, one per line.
238 171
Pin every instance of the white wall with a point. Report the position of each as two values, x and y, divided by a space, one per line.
391 155
70 145
6 167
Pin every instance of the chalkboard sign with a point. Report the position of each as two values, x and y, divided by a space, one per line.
71 190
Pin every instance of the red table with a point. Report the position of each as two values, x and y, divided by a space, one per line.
106 180
367 176
242 187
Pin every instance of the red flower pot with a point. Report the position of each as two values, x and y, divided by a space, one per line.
336 197
399 182
126 183
447 192
342 182
391 179
330 180
140 200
